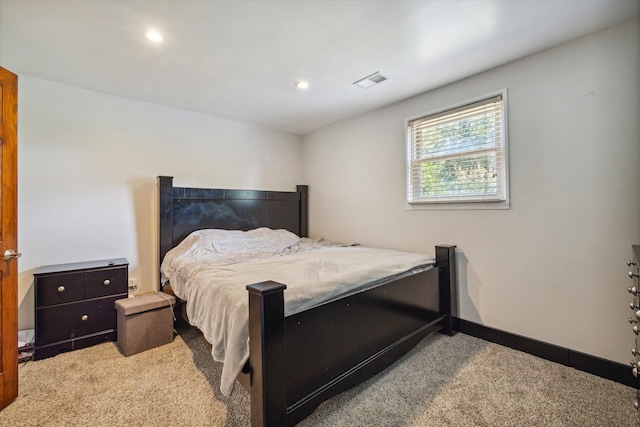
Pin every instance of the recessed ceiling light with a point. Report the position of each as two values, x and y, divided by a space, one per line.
302 85
154 36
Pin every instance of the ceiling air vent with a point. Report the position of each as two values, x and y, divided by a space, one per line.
371 80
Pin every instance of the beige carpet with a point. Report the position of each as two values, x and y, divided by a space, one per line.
458 381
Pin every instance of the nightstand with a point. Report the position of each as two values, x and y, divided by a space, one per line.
75 304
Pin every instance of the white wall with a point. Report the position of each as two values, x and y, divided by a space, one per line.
552 267
88 164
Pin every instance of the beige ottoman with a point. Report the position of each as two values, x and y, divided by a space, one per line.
144 322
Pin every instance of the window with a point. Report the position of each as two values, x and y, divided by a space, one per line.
459 155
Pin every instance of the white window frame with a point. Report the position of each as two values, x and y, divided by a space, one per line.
497 200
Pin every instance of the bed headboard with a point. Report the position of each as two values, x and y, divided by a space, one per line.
184 210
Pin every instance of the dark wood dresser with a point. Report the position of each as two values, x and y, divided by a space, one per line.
75 304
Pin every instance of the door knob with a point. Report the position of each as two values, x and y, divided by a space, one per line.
11 254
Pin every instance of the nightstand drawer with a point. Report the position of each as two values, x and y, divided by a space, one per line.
101 283
75 344
60 288
75 320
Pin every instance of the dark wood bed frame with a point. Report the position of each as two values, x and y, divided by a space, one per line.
297 362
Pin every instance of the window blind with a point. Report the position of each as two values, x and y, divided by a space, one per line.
458 155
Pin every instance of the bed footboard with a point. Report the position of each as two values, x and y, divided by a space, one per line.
299 361
448 284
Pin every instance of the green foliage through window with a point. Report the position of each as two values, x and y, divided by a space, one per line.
458 155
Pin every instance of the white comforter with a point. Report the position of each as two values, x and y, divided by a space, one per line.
213 282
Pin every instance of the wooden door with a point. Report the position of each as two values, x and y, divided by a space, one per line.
8 237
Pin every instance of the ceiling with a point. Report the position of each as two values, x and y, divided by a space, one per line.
239 60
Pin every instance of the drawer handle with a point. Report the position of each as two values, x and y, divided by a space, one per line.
85 318
107 282
60 288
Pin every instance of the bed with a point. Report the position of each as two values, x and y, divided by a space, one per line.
300 358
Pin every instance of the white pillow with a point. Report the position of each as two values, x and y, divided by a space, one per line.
233 242
221 246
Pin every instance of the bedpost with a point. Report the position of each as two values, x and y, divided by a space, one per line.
446 261
165 210
267 354
303 190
